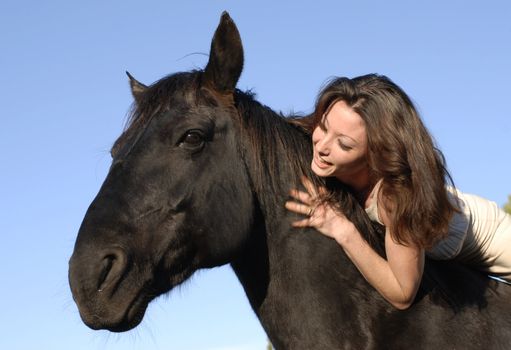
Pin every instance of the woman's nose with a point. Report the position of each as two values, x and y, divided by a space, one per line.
322 146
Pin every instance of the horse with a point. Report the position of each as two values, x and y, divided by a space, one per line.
199 178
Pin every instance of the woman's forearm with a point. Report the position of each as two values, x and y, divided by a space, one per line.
397 290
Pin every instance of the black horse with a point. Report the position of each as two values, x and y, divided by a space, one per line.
199 179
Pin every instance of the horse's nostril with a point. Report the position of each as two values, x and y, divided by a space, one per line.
106 266
112 267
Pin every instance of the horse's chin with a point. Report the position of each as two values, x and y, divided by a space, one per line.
118 320
133 317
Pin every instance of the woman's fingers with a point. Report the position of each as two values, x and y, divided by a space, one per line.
309 186
323 191
313 191
306 203
302 223
299 208
301 196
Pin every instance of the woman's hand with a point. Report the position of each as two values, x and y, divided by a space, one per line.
320 215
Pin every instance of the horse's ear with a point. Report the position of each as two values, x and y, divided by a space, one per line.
225 58
137 88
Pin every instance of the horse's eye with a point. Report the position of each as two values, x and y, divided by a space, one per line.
192 139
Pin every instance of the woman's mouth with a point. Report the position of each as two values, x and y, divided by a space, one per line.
320 163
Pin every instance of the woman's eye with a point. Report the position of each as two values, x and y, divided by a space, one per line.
345 147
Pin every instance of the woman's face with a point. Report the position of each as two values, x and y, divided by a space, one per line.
340 144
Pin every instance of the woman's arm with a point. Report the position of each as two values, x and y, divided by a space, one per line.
397 279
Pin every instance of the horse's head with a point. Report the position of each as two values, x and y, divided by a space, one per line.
177 197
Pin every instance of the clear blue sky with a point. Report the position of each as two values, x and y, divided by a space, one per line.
64 97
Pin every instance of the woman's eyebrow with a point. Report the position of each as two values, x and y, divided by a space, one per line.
349 137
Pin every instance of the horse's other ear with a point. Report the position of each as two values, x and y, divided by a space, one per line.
225 58
137 88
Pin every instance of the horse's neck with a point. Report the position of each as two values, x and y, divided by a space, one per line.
272 177
275 162
271 198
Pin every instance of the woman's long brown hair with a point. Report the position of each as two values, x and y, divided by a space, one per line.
401 153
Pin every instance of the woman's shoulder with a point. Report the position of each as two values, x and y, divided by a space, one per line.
374 206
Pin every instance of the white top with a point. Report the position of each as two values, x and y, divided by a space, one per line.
479 235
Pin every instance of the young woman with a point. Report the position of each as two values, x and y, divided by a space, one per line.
367 134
